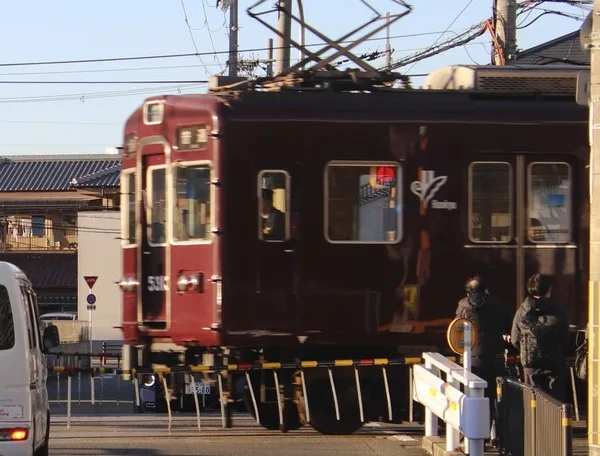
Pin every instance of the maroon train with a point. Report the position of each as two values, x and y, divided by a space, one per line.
321 225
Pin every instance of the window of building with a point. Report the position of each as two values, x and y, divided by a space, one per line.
128 208
7 325
363 202
38 225
158 206
273 205
549 203
192 216
490 202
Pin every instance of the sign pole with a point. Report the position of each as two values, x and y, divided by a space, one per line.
90 326
91 305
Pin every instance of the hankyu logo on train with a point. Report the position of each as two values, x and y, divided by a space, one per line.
427 187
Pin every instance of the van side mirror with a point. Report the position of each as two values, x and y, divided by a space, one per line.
51 337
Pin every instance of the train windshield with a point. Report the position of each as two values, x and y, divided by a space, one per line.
192 206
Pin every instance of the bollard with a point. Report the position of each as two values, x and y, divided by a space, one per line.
387 392
195 390
279 404
359 394
167 398
221 398
333 392
411 386
305 396
253 397
136 389
68 401
93 388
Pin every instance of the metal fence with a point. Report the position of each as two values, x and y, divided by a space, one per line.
531 422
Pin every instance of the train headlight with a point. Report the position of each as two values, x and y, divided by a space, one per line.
182 283
148 381
194 283
128 284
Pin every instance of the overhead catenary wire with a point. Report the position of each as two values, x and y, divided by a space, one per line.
183 55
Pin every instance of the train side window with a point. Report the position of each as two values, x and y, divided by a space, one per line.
363 202
549 202
273 205
158 206
128 218
490 202
7 324
192 216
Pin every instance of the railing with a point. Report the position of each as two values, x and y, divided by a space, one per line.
466 413
44 238
531 422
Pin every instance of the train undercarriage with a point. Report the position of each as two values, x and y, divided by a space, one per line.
335 397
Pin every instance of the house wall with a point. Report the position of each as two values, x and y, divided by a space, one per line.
99 255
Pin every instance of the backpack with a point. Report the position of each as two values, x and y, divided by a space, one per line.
531 346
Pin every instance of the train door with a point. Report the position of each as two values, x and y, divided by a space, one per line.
154 251
275 268
521 221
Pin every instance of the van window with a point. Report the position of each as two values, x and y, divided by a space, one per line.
7 325
31 323
34 314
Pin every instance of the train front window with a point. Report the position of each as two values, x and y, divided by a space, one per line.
128 208
273 205
158 206
490 202
192 207
363 202
549 203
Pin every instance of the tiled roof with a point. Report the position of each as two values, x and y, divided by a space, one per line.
107 177
562 50
55 173
47 300
46 270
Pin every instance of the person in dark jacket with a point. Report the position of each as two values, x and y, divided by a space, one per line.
492 318
540 331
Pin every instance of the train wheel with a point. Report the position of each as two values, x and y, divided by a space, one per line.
322 409
269 414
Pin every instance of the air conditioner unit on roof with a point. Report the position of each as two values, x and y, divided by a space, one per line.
547 79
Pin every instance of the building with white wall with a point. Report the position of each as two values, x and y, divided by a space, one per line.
99 256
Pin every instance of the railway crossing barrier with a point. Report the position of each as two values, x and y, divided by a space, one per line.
189 372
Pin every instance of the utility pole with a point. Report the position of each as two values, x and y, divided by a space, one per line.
505 27
594 285
285 28
233 38
388 46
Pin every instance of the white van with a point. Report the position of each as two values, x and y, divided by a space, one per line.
24 406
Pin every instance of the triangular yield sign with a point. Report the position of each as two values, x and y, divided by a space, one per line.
90 280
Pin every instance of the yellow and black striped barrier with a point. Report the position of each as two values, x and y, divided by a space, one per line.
406 361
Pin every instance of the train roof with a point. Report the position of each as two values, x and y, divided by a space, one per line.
382 106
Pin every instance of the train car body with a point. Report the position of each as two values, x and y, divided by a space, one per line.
326 225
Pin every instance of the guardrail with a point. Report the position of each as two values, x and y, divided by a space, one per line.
465 413
531 422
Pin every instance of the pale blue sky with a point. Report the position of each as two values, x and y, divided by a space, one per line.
77 118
